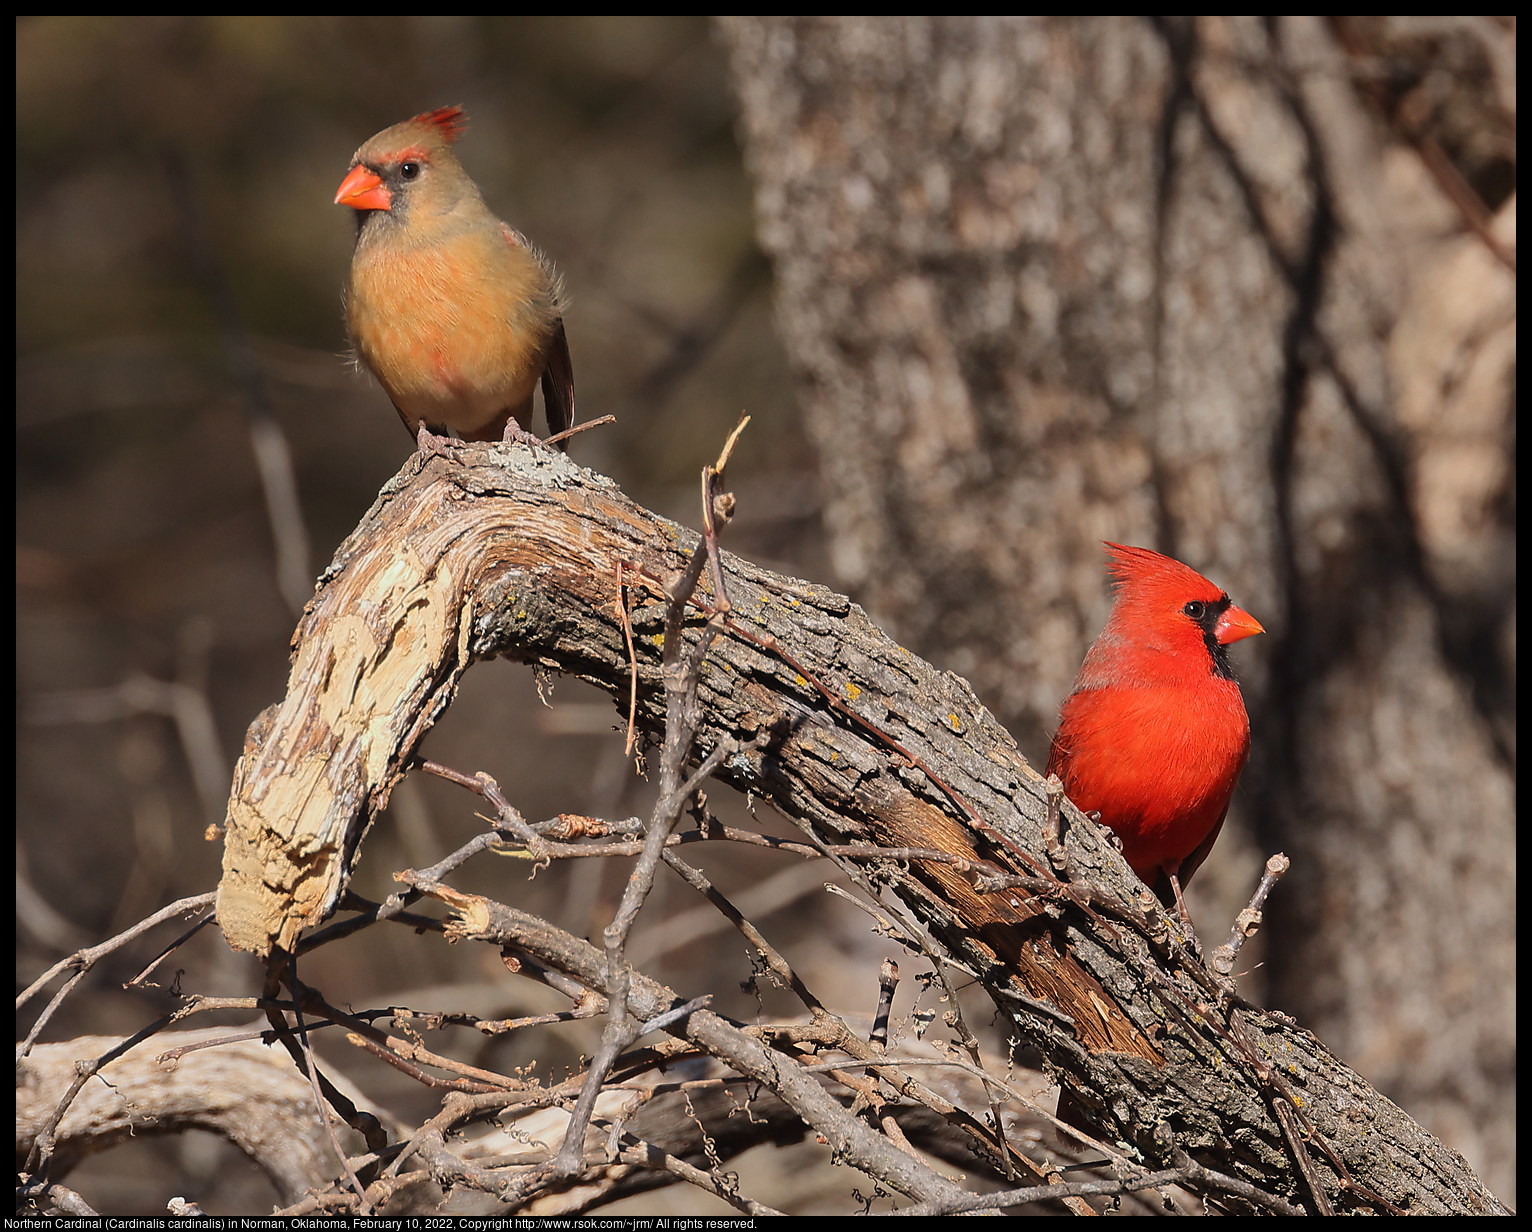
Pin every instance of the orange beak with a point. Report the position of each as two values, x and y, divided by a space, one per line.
1234 625
362 190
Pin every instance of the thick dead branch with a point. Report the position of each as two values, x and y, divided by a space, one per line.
513 551
245 1092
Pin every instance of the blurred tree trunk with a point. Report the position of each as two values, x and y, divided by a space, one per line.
1243 292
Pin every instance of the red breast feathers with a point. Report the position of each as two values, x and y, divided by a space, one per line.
1154 733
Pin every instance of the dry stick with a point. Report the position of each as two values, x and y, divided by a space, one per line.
519 963
627 637
972 1046
1186 1170
199 1004
681 677
83 960
507 815
70 1202
35 1169
378 1193
851 1140
888 981
773 959
407 1057
832 1032
451 1171
717 1183
391 910
938 962
1283 1111
312 1073
170 949
25 1047
1248 922
911 939
462 1106
402 1055
579 428
363 1122
917 941
1119 1162
393 906
717 510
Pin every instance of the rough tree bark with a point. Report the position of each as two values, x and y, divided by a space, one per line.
1207 285
516 552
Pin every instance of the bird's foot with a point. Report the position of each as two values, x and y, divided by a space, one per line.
515 434
429 443
1186 916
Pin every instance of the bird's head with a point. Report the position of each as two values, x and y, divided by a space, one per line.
409 168
1167 619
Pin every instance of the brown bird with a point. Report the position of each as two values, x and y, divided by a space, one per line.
454 312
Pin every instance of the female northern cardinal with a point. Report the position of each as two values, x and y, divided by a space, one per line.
1154 733
455 313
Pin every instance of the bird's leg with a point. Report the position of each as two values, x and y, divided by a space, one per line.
1173 871
515 434
429 443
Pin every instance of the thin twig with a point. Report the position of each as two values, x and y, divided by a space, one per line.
311 1071
170 949
888 981
579 428
681 677
720 1185
83 960
627 637
774 960
1248 922
45 1141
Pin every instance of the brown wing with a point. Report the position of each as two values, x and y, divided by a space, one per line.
558 385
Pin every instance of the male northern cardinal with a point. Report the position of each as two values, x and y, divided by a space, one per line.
455 313
1154 733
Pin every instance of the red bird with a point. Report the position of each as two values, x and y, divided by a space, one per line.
1154 733
454 312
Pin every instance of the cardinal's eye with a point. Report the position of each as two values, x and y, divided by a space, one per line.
1196 609
409 171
